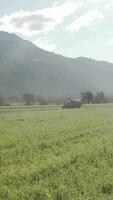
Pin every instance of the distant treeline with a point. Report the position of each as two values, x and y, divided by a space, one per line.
31 99
99 97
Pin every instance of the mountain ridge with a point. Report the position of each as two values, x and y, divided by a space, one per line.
26 68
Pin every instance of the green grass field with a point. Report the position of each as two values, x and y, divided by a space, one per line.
57 154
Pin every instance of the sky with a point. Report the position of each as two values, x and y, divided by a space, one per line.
73 28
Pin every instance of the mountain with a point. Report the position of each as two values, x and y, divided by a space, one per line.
27 68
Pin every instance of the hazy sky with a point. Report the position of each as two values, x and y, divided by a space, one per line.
69 27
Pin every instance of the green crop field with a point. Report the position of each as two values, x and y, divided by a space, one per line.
56 154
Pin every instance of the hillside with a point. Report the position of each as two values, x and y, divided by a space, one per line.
27 68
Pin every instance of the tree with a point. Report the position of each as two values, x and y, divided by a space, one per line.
29 99
86 97
43 102
1 100
99 98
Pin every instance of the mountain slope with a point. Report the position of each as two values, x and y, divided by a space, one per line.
27 68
